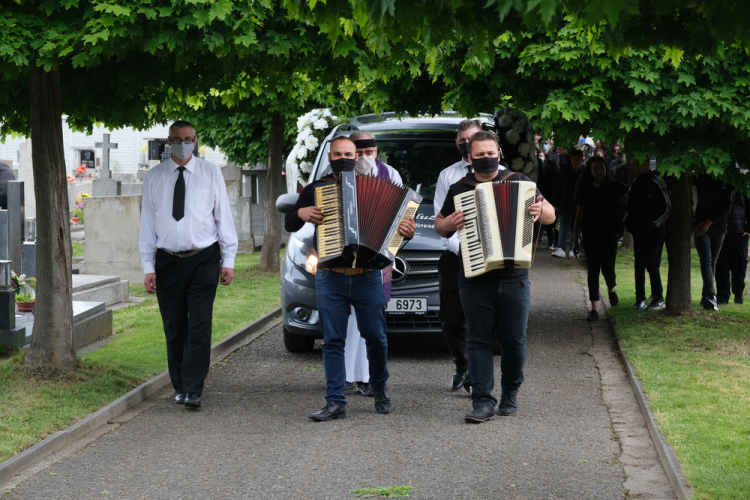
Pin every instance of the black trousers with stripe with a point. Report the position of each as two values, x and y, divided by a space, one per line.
186 289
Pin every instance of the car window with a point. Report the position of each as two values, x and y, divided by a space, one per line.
418 158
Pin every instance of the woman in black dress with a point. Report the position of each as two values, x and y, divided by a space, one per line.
596 195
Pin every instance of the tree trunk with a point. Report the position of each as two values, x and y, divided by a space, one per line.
269 255
679 299
52 337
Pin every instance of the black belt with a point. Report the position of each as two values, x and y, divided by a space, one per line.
185 254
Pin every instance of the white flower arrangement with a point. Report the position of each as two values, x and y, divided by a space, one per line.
524 149
312 129
528 167
513 136
516 135
517 164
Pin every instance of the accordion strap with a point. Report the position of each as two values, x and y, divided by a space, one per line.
468 182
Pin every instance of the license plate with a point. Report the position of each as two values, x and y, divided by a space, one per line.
407 305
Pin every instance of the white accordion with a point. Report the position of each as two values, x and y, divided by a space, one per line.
498 229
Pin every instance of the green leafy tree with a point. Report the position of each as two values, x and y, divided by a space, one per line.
118 63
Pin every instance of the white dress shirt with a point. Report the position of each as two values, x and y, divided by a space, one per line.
208 215
447 178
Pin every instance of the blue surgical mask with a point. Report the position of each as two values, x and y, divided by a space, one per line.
183 150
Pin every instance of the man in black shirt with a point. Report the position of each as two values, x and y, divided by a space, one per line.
337 289
496 300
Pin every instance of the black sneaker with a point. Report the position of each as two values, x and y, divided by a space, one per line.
657 304
331 411
592 316
614 300
349 386
709 303
481 414
640 304
459 379
722 302
508 405
739 300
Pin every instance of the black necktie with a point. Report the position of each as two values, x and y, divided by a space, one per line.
178 203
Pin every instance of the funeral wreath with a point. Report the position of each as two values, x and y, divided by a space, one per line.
312 129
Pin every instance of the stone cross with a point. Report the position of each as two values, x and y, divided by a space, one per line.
106 146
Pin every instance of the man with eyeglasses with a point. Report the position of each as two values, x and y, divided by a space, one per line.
187 241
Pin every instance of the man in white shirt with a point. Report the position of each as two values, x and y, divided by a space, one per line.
452 320
188 242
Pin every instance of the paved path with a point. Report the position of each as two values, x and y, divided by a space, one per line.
252 438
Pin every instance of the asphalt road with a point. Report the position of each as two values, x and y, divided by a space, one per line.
252 439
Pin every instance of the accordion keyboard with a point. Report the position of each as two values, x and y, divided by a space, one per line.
472 249
331 232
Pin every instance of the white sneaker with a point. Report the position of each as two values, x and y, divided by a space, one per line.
568 255
572 254
559 253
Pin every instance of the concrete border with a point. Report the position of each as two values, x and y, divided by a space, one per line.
665 451
221 349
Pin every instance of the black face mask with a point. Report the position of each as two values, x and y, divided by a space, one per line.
464 148
343 165
485 165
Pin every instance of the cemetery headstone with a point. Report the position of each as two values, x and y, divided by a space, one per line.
241 210
26 174
132 189
112 230
4 235
16 220
124 178
141 174
11 336
105 185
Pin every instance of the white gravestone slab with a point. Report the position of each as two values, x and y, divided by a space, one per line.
112 230
105 185
26 174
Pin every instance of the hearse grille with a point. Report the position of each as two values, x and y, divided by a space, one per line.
423 269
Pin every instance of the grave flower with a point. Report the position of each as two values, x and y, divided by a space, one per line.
311 143
320 124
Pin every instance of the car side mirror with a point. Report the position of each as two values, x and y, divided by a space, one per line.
285 202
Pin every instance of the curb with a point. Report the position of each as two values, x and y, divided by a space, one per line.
666 453
221 349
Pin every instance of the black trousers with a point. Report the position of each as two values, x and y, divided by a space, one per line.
732 259
646 248
452 319
601 252
186 289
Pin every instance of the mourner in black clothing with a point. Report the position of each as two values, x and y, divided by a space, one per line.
597 195
709 228
565 203
648 209
733 254
496 301
546 185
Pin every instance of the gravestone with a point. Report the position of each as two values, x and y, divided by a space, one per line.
91 322
241 210
112 231
16 220
26 174
132 189
141 174
12 336
105 185
124 178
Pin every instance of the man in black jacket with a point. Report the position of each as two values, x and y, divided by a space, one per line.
648 210
709 229
565 203
733 254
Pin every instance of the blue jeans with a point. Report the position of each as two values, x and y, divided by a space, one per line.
491 307
365 293
565 238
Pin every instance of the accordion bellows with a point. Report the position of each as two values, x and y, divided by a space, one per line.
361 216
498 228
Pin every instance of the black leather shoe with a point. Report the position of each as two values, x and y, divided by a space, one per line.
614 300
709 303
331 411
481 414
350 385
508 405
192 400
640 304
657 304
459 379
739 300
382 399
179 399
365 389
592 316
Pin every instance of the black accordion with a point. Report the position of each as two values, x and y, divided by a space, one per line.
361 216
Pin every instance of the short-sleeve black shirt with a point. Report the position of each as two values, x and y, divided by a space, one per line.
498 275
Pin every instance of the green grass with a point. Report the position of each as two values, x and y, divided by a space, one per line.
77 249
696 372
37 402
383 492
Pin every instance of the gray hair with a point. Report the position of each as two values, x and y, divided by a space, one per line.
361 134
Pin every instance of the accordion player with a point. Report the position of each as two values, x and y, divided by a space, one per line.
498 229
361 217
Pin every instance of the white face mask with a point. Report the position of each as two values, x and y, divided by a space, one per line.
365 164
